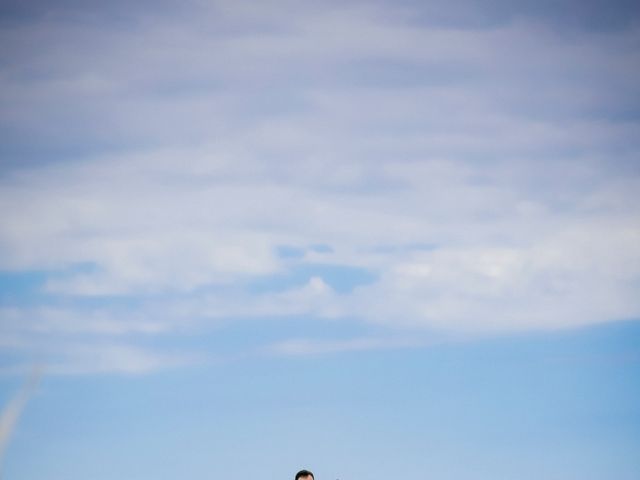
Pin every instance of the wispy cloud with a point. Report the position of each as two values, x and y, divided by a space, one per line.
12 411
306 346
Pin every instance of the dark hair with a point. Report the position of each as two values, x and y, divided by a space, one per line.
304 473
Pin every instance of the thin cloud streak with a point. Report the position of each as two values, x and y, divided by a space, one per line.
306 347
12 411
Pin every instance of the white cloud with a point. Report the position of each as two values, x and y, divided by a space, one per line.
78 321
116 358
574 277
304 346
67 357
495 238
207 142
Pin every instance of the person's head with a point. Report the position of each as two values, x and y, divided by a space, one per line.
305 475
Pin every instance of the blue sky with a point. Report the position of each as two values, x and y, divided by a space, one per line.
372 239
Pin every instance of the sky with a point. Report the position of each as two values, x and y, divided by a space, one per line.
373 239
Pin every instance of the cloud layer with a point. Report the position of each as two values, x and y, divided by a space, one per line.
155 165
